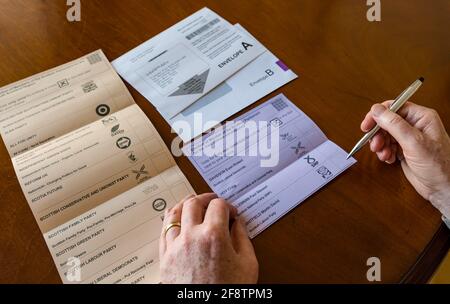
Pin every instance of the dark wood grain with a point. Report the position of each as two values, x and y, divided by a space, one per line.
345 65
430 258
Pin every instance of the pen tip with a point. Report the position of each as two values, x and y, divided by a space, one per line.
422 79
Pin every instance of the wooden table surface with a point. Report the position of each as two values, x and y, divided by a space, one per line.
345 65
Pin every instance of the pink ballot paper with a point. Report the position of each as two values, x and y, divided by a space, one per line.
267 161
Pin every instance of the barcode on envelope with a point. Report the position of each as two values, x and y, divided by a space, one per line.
94 58
279 104
202 29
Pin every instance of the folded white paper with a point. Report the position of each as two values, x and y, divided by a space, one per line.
183 63
260 77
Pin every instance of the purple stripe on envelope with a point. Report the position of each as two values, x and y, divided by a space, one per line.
282 65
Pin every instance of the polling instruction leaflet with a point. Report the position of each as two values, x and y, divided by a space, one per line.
254 81
265 185
94 170
180 65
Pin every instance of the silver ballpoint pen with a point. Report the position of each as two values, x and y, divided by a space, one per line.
395 106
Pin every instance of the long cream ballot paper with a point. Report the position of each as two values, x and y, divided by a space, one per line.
93 169
52 103
118 241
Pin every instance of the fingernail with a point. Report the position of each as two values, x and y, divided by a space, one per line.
377 110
